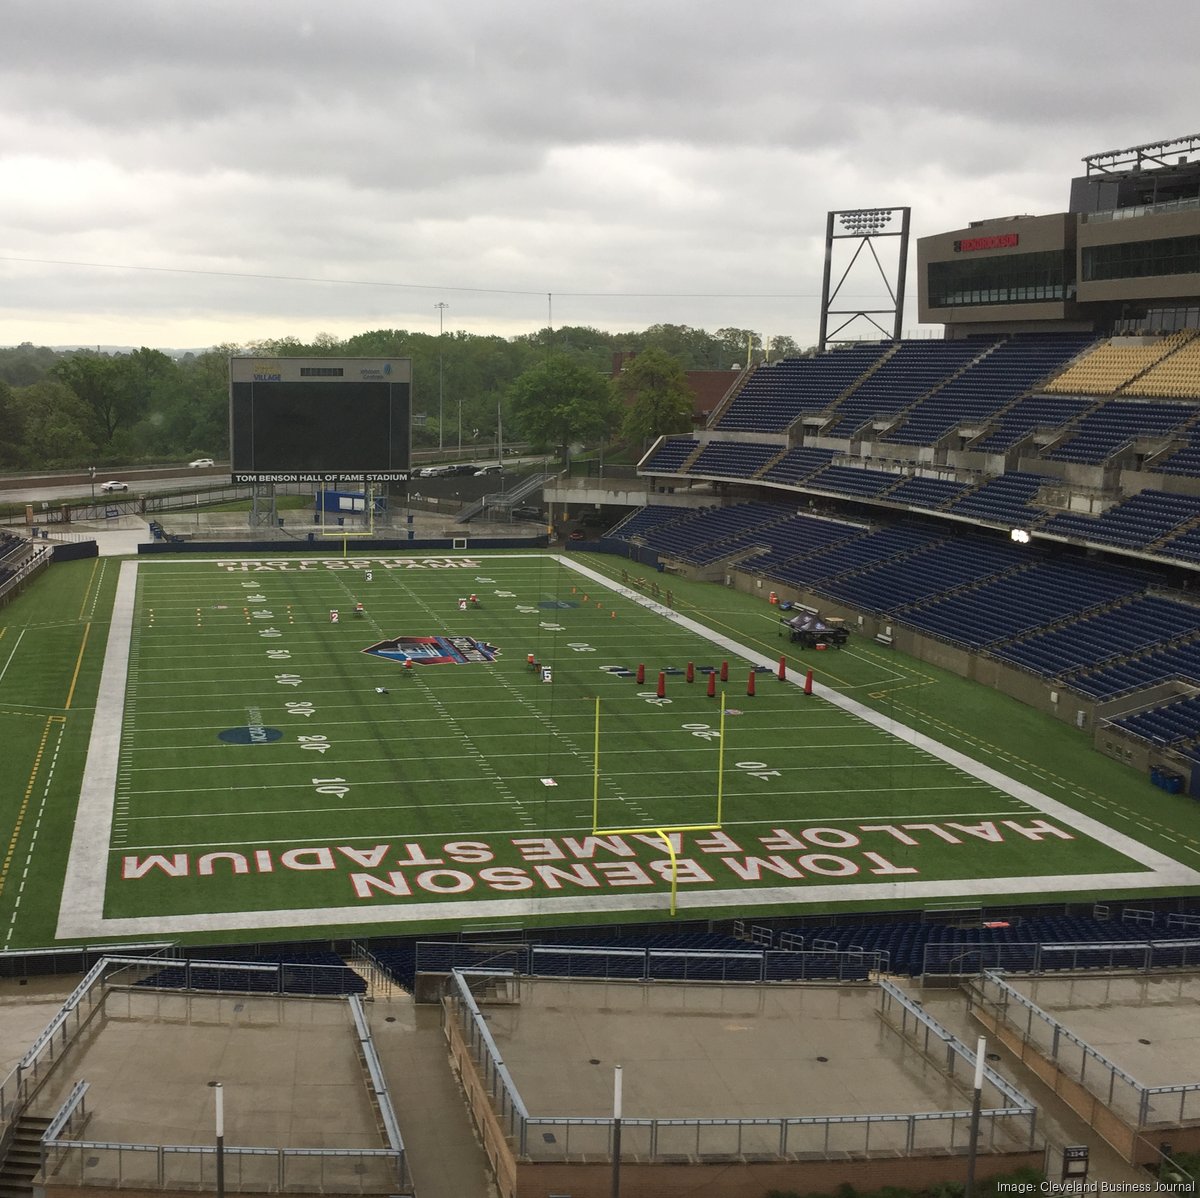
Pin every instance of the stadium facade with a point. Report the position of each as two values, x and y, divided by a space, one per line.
1124 257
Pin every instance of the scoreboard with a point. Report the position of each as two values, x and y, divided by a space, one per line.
320 419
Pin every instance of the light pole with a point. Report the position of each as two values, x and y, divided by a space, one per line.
92 472
976 1103
220 1096
441 307
615 1190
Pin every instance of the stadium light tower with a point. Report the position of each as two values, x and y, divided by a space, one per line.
864 225
441 307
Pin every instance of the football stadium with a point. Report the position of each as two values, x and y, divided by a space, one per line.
883 681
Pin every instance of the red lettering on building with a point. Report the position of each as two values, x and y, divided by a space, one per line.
998 241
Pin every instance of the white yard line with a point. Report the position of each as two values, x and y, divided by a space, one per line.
12 654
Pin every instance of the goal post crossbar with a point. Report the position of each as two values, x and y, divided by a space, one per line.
663 831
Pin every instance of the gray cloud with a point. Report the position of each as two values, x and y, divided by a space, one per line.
479 150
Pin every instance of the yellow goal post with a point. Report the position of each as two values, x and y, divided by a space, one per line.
664 830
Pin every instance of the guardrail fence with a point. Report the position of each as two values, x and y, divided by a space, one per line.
1138 1105
567 1137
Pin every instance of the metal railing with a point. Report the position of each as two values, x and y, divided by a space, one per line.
106 1163
379 977
656 1139
493 1073
966 959
1120 1091
891 995
109 1164
1135 210
379 1090
257 977
29 1072
751 964
37 561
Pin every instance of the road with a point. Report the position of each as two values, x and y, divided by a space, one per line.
83 492
186 480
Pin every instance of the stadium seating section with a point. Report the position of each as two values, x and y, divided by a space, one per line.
847 951
915 370
872 437
989 384
775 396
1104 430
1088 626
13 552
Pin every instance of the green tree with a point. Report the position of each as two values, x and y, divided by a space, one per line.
653 390
149 384
56 425
26 364
558 402
12 429
204 382
113 389
733 344
783 346
695 349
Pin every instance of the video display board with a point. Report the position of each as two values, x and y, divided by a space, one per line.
320 419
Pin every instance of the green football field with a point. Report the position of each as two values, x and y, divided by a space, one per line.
195 749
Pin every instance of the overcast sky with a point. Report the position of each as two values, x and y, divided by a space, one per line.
180 173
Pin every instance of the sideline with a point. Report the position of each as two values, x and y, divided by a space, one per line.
83 883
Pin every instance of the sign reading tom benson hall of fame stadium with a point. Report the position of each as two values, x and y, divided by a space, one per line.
320 419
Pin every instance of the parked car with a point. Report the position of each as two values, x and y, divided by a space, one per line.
199 463
114 485
460 470
495 468
528 513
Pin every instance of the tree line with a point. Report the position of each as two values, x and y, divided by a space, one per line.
84 407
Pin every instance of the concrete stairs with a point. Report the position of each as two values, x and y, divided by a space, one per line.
23 1159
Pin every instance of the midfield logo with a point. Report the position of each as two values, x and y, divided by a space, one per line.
434 650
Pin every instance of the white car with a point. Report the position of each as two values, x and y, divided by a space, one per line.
201 462
489 470
113 485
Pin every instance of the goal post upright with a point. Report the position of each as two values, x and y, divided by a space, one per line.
341 532
596 772
721 763
663 831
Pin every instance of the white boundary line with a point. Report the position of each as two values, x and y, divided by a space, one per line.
82 911
87 863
